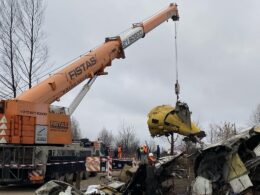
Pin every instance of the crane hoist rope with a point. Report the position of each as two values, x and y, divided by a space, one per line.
165 120
177 85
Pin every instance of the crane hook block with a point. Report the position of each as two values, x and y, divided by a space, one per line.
177 88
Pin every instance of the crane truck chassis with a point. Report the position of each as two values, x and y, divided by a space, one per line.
35 136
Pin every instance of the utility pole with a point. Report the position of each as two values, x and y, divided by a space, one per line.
172 143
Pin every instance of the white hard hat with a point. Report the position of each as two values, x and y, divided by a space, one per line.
150 154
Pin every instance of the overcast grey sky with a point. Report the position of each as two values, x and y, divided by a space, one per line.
218 51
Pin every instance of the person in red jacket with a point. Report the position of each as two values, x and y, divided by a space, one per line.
119 151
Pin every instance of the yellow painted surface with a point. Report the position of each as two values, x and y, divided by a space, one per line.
236 167
161 120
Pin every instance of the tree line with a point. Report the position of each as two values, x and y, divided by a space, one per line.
127 138
225 130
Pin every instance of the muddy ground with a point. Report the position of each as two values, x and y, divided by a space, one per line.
179 183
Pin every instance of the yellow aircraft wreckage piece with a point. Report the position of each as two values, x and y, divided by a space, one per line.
165 120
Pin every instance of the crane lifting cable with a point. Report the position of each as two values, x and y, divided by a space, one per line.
177 85
165 120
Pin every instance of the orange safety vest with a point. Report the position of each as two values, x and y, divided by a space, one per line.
119 149
145 149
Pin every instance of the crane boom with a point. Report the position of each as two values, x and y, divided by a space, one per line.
95 61
31 119
35 136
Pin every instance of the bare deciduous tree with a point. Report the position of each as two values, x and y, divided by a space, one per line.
171 139
188 147
34 53
221 132
127 139
106 137
75 129
22 48
9 41
255 117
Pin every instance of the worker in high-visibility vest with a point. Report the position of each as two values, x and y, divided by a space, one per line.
151 158
146 149
144 152
119 151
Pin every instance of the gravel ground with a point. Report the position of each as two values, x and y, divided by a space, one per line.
15 190
29 190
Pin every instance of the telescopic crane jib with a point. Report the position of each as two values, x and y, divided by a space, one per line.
30 119
94 62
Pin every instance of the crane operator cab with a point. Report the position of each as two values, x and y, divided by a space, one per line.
165 120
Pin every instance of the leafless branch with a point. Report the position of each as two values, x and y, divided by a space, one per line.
127 139
8 36
35 53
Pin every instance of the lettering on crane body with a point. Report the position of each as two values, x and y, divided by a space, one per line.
82 68
73 85
59 125
29 112
132 38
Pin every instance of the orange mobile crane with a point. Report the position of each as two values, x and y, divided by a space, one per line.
35 136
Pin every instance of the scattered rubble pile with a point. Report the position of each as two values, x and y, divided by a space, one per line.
149 178
230 166
55 187
183 174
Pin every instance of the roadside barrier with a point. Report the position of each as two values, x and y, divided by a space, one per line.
39 164
92 161
93 164
109 167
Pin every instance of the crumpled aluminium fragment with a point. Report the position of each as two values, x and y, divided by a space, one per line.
232 165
